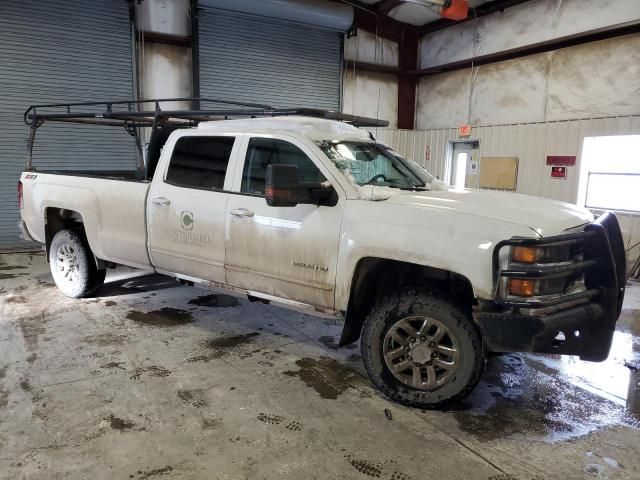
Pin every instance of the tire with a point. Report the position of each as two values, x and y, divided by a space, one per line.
447 370
73 266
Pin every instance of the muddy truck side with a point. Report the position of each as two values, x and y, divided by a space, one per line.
314 213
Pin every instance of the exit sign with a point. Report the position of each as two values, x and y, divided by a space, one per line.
464 130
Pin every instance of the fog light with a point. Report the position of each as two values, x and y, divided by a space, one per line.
522 288
524 254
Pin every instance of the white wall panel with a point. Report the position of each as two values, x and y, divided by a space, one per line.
510 92
367 93
595 80
599 79
166 73
367 47
371 95
443 100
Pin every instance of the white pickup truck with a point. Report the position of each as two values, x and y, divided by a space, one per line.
314 213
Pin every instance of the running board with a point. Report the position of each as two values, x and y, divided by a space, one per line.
252 295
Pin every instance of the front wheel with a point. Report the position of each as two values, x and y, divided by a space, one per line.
421 350
72 265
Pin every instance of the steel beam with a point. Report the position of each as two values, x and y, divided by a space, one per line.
385 6
555 44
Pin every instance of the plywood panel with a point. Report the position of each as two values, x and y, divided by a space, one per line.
499 173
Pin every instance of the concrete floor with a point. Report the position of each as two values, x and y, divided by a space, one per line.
154 380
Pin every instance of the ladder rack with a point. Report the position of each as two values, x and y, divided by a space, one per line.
133 114
122 112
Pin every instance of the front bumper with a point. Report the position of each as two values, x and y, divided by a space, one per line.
571 324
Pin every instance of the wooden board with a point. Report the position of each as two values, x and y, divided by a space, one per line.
499 173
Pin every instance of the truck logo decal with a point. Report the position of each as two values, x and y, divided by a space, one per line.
186 236
186 220
311 266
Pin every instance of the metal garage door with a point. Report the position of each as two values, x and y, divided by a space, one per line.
263 60
60 51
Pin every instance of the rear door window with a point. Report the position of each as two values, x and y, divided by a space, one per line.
200 162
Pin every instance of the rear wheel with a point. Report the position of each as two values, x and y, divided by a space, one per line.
72 265
422 350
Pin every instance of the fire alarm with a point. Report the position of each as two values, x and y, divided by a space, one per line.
558 172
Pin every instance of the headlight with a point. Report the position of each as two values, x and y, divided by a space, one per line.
522 288
525 287
551 254
524 254
538 260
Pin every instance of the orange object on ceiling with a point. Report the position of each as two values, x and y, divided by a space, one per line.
458 10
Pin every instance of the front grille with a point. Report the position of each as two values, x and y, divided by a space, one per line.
576 251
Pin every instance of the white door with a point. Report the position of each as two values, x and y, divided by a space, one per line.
186 206
287 252
465 165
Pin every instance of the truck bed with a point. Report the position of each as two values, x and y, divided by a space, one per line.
111 205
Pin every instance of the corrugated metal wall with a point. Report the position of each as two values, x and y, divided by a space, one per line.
60 51
531 143
268 61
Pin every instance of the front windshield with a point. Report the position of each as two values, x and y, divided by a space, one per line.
372 164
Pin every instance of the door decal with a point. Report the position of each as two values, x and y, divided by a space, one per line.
186 236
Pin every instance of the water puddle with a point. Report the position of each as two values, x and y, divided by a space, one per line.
165 317
215 300
325 375
225 346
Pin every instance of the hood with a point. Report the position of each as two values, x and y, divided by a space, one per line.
546 217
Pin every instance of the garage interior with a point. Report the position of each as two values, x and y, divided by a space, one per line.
151 378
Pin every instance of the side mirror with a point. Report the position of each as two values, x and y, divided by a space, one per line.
283 188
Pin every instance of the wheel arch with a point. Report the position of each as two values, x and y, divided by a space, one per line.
56 219
374 278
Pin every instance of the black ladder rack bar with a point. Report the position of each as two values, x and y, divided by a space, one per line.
108 105
63 112
146 117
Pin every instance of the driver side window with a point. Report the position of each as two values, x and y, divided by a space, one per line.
262 152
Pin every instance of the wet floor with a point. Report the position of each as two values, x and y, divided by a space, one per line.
156 380
554 398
